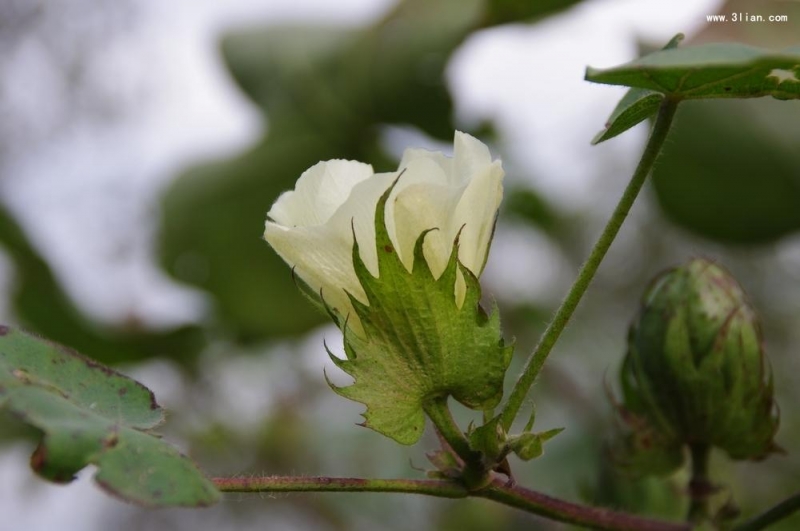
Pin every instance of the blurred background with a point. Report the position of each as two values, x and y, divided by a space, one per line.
142 142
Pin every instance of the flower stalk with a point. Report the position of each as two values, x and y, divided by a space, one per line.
782 510
473 474
440 415
700 487
535 363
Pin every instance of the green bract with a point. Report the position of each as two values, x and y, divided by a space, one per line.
695 372
418 344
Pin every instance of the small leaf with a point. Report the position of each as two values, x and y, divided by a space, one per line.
417 344
636 106
717 70
90 414
531 419
549 434
529 446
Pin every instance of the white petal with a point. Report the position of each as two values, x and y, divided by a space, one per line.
322 258
443 163
420 207
358 212
476 212
470 156
312 226
319 192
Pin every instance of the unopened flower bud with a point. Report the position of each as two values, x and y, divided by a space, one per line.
695 372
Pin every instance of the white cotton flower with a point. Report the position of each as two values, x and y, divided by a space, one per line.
311 227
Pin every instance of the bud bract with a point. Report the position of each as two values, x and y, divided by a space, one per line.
695 372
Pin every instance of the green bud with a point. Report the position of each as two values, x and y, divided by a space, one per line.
695 372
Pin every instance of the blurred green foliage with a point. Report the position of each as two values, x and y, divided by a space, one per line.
731 171
326 93
41 305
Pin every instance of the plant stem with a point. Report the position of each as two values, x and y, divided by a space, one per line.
498 490
774 514
589 268
572 513
700 488
438 488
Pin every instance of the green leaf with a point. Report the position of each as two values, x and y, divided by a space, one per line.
531 419
418 344
717 70
90 414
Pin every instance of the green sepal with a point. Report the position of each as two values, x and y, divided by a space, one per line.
527 446
417 344
314 297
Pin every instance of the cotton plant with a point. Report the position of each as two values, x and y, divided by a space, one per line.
395 260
